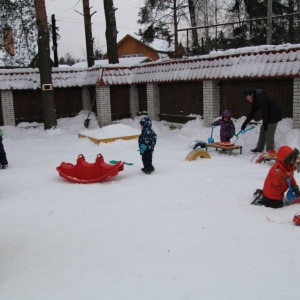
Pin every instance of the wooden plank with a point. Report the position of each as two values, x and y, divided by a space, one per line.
109 140
226 148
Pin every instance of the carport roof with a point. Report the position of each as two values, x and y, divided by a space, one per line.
266 61
21 79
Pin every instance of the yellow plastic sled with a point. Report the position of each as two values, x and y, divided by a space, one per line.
195 154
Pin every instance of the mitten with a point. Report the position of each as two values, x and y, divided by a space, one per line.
244 126
143 148
265 126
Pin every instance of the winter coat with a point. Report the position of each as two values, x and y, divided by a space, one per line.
227 129
3 159
271 111
148 137
276 181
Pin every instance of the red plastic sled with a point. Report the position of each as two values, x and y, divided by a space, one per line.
84 172
296 218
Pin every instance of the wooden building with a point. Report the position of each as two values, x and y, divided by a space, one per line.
173 90
132 46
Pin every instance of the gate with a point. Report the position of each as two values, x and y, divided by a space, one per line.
180 99
142 94
28 104
120 102
232 98
68 101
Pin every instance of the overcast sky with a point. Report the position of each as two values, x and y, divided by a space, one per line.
71 24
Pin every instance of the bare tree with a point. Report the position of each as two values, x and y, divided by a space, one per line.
49 113
88 33
195 45
269 22
111 32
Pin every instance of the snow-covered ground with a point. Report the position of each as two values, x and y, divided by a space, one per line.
185 232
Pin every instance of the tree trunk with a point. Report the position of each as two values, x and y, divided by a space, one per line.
195 43
291 21
54 40
175 28
111 32
49 113
88 33
269 22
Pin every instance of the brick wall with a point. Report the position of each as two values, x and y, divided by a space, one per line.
134 100
211 101
153 103
296 103
86 98
8 108
103 105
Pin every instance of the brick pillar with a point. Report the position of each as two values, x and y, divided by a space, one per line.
296 103
103 105
134 100
8 108
153 103
86 103
211 101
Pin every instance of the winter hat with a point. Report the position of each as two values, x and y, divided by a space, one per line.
286 155
146 122
249 91
227 114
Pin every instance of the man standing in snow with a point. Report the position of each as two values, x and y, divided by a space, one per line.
271 114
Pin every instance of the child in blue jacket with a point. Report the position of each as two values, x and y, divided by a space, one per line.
227 129
147 142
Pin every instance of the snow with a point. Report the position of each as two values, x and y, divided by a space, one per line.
111 131
187 231
104 63
249 62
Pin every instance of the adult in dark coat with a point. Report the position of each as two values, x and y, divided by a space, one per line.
3 159
271 114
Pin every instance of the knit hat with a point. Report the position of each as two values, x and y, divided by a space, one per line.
226 114
249 91
146 122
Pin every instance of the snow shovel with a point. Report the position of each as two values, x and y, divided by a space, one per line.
290 194
210 139
243 131
87 120
114 162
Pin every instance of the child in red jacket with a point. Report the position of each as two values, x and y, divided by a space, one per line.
276 182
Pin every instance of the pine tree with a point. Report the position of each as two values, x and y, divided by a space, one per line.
111 32
20 16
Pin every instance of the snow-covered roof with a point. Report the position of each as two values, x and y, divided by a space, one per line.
20 79
157 44
266 61
123 62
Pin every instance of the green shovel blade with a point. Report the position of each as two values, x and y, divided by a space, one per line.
114 162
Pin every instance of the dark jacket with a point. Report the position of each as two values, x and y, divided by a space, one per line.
271 111
148 136
3 159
